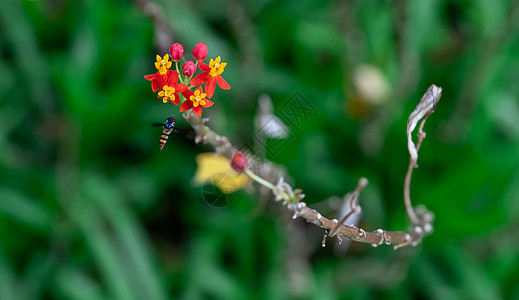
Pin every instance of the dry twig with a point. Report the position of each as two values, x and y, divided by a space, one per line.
421 218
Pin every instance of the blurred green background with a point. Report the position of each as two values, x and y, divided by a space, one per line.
90 209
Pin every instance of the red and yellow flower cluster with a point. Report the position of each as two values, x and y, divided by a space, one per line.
171 83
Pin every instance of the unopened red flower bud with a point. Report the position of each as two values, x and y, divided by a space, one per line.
200 51
239 162
188 68
176 51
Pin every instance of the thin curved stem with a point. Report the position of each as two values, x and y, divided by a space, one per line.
407 182
259 179
407 194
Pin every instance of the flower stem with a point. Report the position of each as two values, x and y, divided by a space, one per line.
269 185
259 179
180 75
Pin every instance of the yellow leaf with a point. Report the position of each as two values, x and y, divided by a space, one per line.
216 169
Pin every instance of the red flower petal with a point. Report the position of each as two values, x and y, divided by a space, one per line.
203 66
210 86
222 83
156 85
208 103
186 105
180 88
176 100
187 94
198 110
150 77
200 79
172 77
153 78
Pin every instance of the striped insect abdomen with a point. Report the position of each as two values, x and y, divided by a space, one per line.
164 137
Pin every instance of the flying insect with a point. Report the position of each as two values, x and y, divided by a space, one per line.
168 127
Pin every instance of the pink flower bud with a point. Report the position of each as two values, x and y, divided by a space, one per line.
239 162
200 51
176 51
188 68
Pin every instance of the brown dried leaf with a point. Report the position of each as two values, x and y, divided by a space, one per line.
424 108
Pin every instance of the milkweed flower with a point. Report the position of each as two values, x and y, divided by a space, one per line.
195 100
163 64
170 83
188 68
176 50
200 51
212 75
169 87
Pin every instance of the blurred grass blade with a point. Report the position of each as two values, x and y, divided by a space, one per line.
75 284
104 251
128 238
24 210
8 286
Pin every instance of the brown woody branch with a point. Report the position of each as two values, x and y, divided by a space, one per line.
421 218
163 32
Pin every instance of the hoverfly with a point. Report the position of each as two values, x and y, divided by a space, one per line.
168 126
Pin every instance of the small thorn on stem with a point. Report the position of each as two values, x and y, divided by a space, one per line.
199 139
323 243
363 181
